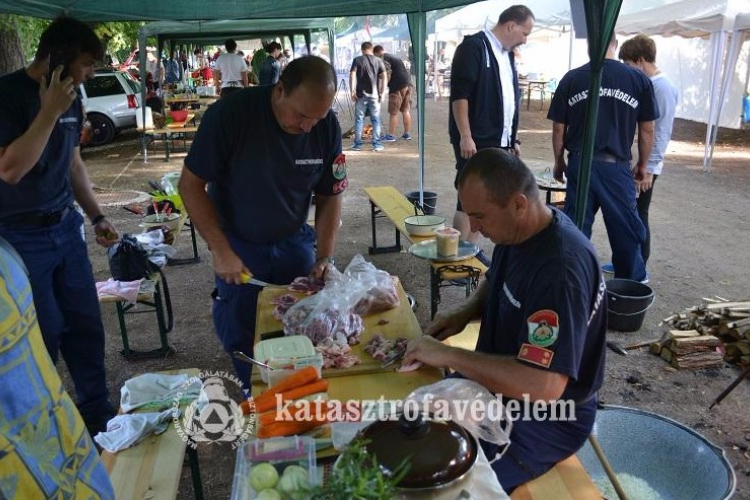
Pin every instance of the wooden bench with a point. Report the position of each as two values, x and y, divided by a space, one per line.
152 468
567 480
388 202
172 131
158 303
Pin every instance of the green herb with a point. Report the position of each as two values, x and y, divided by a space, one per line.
357 476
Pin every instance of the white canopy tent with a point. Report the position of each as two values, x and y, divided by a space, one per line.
725 23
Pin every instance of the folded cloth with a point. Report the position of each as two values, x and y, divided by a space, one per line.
124 431
154 391
127 290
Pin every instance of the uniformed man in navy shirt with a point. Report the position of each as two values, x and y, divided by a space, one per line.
543 316
41 176
626 100
262 152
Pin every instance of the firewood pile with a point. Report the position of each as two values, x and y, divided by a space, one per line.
706 335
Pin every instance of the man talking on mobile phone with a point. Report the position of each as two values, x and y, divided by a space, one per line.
41 176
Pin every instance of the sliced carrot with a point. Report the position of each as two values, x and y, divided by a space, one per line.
267 401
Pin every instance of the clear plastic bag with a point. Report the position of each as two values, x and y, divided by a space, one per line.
377 287
323 315
469 404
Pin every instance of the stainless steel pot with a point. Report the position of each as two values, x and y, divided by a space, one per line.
439 452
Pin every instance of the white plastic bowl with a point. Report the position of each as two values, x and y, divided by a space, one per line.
424 225
169 220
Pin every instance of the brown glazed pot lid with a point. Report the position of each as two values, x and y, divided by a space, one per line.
439 452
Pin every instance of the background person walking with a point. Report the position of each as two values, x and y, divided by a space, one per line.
367 78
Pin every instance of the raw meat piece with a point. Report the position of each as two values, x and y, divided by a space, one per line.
283 303
337 352
380 347
307 285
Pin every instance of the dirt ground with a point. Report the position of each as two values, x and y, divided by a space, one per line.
701 237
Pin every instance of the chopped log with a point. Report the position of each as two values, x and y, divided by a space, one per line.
739 323
697 361
681 334
728 305
666 354
704 343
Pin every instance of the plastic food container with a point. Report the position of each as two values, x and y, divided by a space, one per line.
280 453
447 241
294 351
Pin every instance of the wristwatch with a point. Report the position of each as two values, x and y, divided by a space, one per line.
329 260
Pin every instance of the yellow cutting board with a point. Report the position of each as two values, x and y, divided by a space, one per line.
401 322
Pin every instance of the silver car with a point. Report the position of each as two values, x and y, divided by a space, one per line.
111 100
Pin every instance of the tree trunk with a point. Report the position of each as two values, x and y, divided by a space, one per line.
11 51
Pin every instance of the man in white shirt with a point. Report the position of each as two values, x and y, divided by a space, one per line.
484 96
230 70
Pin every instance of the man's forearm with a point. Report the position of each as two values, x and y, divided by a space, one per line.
327 219
461 115
244 78
558 140
21 155
645 141
352 83
503 374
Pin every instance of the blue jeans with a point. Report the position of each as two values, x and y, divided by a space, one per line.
612 189
67 307
364 104
234 306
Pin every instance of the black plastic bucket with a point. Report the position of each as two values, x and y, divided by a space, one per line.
627 303
430 201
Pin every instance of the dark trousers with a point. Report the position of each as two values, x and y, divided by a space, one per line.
644 201
235 306
67 307
611 188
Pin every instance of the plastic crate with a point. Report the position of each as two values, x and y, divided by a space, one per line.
279 452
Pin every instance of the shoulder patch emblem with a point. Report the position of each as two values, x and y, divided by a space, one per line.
536 355
543 327
339 167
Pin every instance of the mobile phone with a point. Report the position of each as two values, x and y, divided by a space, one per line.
57 59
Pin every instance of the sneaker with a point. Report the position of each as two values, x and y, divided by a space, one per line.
645 280
608 268
387 138
406 137
356 147
378 147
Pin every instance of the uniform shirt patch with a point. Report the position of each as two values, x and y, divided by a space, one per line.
536 355
339 167
543 327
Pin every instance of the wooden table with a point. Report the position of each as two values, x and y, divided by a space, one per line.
531 85
152 468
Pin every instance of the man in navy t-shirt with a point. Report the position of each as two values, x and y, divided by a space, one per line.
626 100
263 152
542 336
42 174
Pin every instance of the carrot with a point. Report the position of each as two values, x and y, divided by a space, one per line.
276 429
319 407
245 407
267 401
298 378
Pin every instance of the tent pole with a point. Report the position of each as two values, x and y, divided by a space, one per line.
726 80
417 30
717 49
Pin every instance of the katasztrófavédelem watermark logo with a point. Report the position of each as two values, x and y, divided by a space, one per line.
212 417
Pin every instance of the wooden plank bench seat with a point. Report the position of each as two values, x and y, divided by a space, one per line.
157 303
169 133
388 202
152 468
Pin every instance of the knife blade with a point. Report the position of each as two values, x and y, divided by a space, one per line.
249 280
393 358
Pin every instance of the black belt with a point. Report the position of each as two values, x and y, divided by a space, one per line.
603 157
37 220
